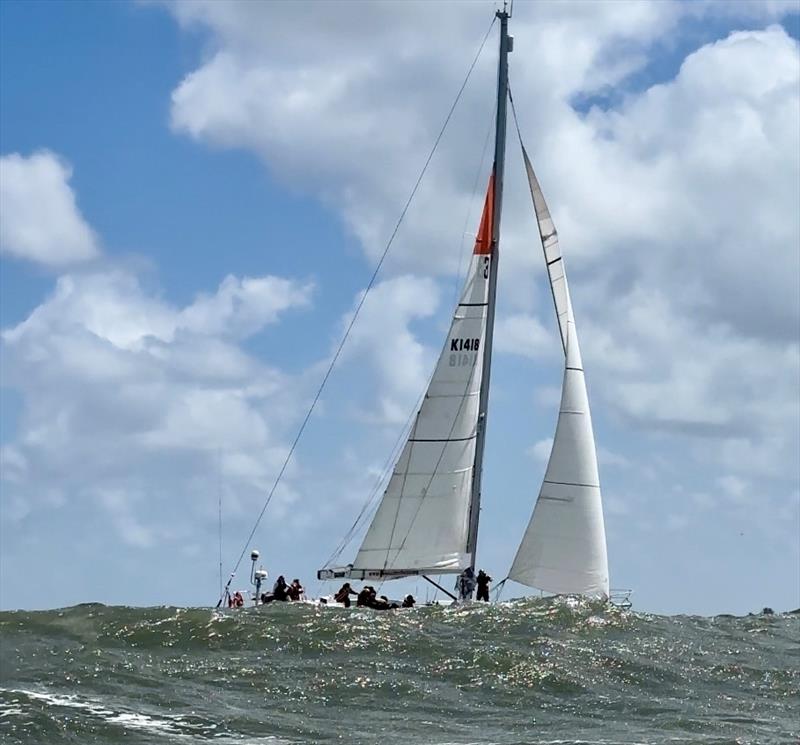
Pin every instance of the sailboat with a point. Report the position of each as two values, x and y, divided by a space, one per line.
427 521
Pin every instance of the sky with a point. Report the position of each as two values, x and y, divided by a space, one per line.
194 195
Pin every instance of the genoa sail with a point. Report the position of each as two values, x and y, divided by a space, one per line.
422 523
564 547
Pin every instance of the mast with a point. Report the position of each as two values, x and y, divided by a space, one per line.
499 167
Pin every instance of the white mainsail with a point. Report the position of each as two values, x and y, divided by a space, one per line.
564 547
422 523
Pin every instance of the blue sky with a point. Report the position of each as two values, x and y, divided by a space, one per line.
208 186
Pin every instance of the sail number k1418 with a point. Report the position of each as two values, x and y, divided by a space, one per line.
458 348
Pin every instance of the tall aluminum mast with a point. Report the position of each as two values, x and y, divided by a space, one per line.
499 167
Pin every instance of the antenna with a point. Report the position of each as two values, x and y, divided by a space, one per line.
219 514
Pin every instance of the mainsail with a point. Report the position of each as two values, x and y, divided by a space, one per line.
427 520
564 547
422 524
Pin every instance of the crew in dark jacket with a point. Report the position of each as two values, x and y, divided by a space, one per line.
483 586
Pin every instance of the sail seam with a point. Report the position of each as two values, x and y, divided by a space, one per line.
442 439
425 473
405 476
409 497
571 483
573 534
451 395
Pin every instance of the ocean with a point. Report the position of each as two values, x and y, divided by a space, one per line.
526 671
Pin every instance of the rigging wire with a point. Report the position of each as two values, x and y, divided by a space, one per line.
452 427
514 113
219 514
357 310
426 487
375 489
371 505
498 589
471 205
467 385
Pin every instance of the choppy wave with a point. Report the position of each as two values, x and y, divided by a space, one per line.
528 671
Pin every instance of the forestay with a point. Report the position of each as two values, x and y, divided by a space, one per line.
422 523
564 547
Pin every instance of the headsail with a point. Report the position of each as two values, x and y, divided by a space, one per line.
422 523
564 547
552 252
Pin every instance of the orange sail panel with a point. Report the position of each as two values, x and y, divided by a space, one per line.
483 243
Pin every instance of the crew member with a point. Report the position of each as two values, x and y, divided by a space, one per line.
343 594
483 586
280 590
466 583
295 590
236 601
363 597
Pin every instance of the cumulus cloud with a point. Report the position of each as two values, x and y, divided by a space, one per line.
384 338
41 221
660 199
112 306
735 488
675 200
243 306
525 335
140 392
136 412
541 450
356 132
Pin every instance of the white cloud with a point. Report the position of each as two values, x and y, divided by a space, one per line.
119 504
41 221
163 407
356 132
735 488
660 200
112 306
705 166
384 338
610 459
676 202
541 449
142 393
243 306
676 206
525 335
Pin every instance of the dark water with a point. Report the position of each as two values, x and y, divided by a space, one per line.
532 671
